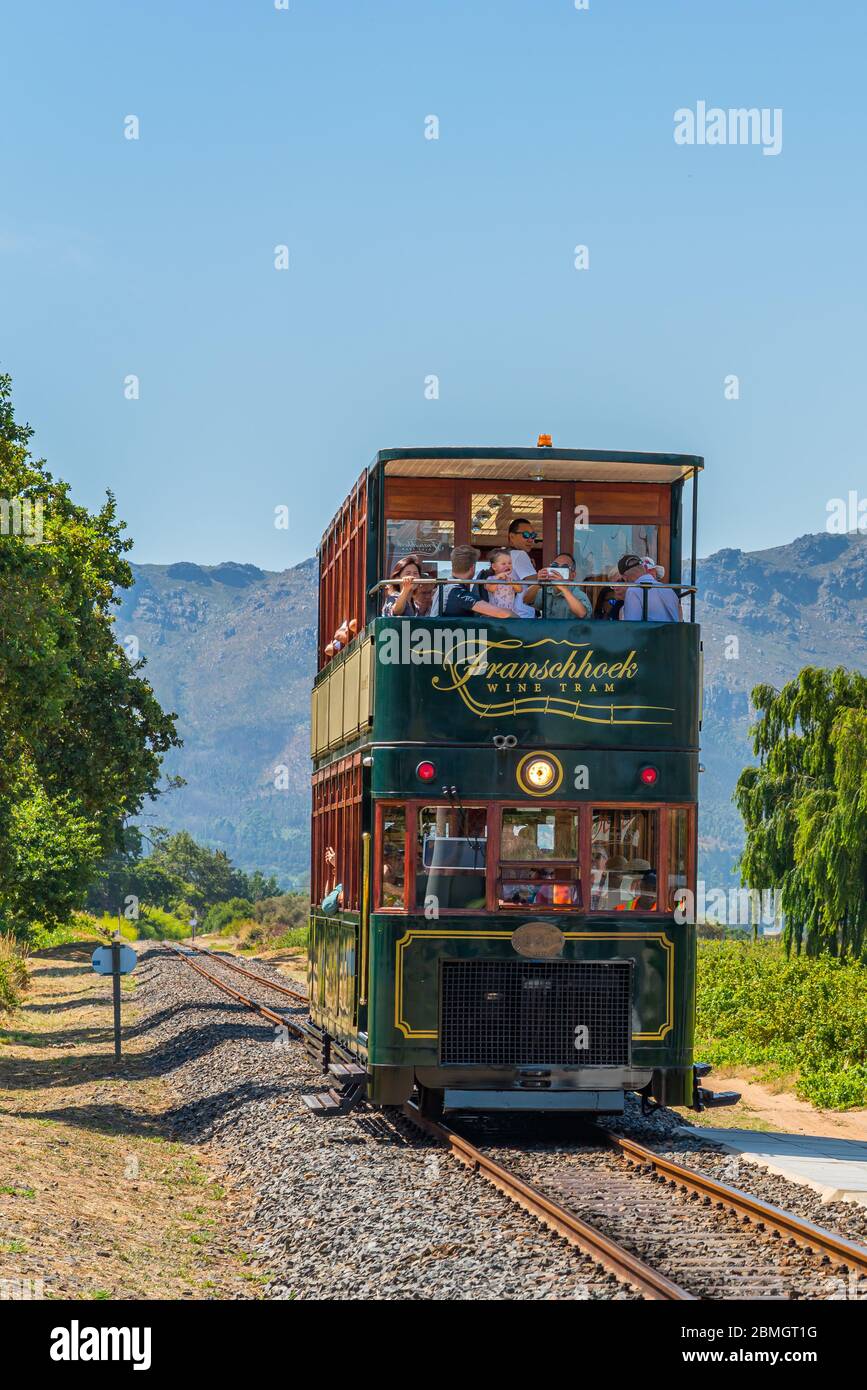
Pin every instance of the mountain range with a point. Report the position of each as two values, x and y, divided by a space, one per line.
231 649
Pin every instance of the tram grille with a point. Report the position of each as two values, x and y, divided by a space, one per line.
521 1012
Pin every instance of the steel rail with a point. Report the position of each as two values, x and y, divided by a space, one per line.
794 1228
557 1218
599 1247
280 1019
231 964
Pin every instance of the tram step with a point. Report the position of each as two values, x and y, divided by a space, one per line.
347 1071
711 1100
323 1102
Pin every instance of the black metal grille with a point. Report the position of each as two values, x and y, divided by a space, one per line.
522 1012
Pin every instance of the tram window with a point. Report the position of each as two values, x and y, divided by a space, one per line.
623 861
539 858
599 546
392 891
678 855
451 857
432 541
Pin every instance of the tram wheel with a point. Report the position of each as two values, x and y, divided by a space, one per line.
430 1102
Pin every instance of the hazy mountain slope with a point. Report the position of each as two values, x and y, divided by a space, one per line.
231 649
796 605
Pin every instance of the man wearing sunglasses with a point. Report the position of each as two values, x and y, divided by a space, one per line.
522 538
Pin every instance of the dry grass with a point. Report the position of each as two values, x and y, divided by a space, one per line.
96 1200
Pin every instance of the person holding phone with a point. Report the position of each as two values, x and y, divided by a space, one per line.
561 601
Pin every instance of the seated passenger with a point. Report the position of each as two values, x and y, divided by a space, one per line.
497 580
460 599
402 599
663 605
559 601
606 604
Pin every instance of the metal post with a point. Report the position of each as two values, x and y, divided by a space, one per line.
115 990
694 542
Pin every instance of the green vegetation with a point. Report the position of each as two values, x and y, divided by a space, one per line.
272 922
13 973
805 807
759 1006
81 731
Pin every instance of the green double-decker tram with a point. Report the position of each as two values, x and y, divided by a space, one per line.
505 807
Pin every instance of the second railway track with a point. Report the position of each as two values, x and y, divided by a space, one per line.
671 1232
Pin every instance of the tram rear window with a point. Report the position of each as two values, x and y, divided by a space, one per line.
451 856
539 858
623 860
393 881
599 546
431 541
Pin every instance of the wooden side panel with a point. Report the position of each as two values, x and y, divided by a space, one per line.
335 706
424 499
365 684
351 678
624 501
321 700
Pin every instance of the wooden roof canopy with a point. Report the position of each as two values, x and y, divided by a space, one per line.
537 465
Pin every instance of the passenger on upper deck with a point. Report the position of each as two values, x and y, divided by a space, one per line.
405 599
561 601
606 602
497 580
460 599
663 605
522 538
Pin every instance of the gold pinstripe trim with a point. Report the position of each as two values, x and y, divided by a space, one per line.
413 933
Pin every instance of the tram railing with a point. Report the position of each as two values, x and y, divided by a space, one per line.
681 591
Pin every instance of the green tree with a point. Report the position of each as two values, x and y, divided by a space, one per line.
208 875
805 807
81 733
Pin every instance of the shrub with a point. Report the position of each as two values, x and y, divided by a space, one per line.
802 1014
13 972
154 924
288 911
81 927
223 916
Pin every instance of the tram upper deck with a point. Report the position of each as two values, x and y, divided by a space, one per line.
551 681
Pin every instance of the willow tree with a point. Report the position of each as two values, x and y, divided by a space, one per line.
805 807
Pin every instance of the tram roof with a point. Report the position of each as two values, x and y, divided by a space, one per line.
537 465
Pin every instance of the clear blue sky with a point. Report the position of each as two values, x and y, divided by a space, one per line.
411 257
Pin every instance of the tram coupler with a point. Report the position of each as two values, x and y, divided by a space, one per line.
702 1098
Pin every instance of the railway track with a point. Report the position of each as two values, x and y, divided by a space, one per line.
281 1020
710 1239
231 964
671 1232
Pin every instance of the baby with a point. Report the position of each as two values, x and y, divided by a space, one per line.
497 579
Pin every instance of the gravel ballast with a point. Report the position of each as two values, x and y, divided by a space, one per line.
341 1207
362 1206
